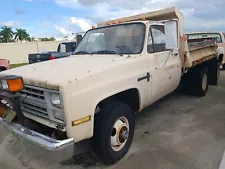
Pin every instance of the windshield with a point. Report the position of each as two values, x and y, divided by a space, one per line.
115 39
205 35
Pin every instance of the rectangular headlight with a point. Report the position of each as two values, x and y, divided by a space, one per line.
56 100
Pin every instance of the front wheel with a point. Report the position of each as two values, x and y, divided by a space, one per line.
113 132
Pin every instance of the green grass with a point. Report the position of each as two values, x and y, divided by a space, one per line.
17 65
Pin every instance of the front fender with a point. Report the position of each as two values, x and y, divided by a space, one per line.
84 104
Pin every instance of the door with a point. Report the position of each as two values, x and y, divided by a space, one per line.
165 64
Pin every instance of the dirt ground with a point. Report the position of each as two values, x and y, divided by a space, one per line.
178 132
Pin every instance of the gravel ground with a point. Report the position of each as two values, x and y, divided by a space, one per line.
178 132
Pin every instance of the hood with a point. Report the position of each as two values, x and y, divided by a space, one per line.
54 73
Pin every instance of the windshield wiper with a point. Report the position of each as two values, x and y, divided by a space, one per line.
81 52
98 52
107 52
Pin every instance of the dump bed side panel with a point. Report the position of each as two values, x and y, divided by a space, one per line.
199 51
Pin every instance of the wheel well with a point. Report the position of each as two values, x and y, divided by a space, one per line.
129 97
2 68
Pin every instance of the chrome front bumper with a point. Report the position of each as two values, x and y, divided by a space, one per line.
58 150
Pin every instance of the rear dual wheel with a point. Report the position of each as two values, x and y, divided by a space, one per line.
196 82
202 83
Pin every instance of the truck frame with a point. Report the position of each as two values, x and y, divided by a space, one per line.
117 70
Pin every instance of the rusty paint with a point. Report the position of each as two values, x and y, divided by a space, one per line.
198 61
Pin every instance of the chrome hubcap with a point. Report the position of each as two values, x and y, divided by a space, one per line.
120 133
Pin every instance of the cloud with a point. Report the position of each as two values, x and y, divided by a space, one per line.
19 11
197 13
81 23
63 31
10 23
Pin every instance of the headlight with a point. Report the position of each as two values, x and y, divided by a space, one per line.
4 84
56 99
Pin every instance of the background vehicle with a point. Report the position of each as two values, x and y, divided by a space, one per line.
220 40
64 49
4 64
117 70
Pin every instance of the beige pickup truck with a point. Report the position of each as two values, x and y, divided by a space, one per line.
118 69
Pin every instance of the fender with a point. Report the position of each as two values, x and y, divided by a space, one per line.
115 92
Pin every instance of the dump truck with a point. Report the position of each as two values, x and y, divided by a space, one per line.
119 68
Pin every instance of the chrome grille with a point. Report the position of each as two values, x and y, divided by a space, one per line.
37 93
37 102
33 101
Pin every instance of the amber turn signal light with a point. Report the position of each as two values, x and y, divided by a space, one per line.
12 83
15 84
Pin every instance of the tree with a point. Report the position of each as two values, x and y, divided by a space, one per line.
22 35
6 34
31 39
47 39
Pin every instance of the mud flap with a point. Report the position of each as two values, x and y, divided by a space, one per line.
213 66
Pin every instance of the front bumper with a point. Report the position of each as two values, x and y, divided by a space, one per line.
58 150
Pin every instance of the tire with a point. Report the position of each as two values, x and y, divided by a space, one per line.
107 127
202 83
223 67
218 72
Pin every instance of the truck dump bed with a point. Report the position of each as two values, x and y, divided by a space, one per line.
191 53
200 50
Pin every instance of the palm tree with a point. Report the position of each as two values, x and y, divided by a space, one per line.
6 34
30 39
22 35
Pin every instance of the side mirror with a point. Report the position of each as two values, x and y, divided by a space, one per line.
79 38
171 33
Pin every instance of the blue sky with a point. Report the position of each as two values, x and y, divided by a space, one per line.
59 18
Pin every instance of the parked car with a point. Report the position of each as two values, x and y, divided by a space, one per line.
64 49
117 70
220 40
4 65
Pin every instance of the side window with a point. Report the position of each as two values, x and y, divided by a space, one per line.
156 39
